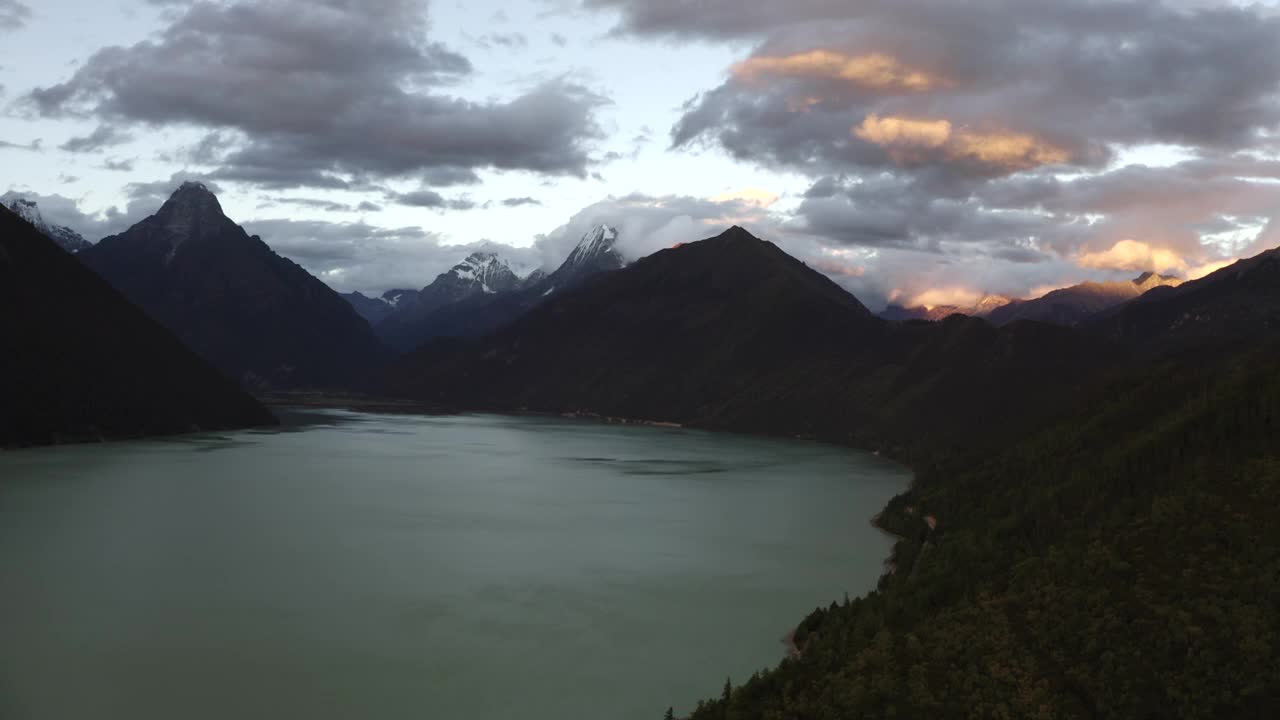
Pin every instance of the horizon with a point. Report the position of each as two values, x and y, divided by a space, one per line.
900 150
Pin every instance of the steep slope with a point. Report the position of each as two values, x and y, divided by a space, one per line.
373 310
28 210
83 363
478 313
255 315
1070 306
1123 563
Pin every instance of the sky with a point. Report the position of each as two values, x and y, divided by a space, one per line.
916 151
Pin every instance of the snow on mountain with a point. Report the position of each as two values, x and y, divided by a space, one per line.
595 252
28 210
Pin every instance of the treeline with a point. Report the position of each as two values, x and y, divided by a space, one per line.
1122 563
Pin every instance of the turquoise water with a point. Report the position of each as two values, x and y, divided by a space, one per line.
376 566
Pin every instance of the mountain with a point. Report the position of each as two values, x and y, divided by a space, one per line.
28 210
731 332
596 252
255 315
480 274
534 278
83 363
1039 580
373 310
677 331
1070 306
1239 304
474 313
984 307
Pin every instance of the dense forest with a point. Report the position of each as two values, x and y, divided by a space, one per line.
1122 563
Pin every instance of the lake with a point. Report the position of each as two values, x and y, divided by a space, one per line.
377 566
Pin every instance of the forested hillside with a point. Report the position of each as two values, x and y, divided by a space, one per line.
1123 564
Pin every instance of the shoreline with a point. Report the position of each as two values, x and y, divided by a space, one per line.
361 403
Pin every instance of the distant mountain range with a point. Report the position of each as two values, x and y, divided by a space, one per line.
1070 306
984 307
81 362
732 332
28 210
482 293
255 315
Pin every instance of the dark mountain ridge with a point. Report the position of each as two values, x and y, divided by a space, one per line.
1072 305
83 363
1237 305
257 316
731 332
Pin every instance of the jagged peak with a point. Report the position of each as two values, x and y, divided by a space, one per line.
1148 280
597 241
29 210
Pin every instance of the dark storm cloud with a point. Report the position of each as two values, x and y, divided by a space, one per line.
118 165
311 93
946 138
311 203
1070 78
13 14
431 199
104 136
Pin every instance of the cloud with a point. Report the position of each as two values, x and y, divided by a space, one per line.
912 142
431 199
875 71
13 15
33 146
104 136
1019 85
118 165
519 201
325 92
648 223
759 197
1133 255
359 256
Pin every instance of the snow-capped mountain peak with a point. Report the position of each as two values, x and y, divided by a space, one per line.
487 270
28 210
598 241
595 252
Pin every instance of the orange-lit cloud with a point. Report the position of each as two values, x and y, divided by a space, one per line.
874 71
753 196
1200 271
963 297
915 140
1135 256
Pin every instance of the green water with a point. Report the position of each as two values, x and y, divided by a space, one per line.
376 567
